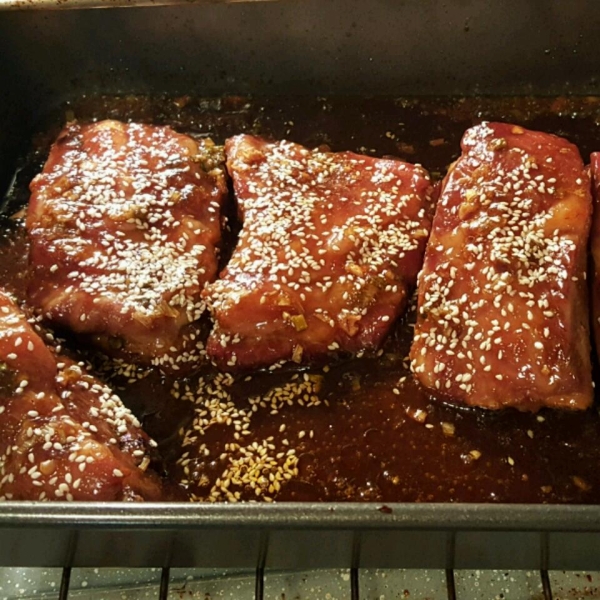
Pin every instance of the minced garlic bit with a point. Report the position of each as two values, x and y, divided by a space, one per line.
448 428
581 483
418 414
475 454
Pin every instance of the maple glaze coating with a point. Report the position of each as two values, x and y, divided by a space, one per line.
124 222
64 435
502 307
330 247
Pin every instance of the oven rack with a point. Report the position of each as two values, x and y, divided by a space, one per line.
331 584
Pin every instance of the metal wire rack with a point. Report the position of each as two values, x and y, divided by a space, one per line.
540 587
317 584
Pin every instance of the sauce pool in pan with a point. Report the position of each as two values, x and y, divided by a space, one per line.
358 430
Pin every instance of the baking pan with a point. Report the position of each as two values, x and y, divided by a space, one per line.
414 47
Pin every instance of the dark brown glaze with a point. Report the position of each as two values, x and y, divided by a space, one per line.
327 257
64 435
125 222
502 305
369 442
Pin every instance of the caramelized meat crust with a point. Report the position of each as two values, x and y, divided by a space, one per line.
63 434
502 306
124 224
329 250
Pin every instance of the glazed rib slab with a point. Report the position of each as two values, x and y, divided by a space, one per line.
124 224
64 435
330 247
502 307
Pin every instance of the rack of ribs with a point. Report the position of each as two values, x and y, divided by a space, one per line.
124 222
330 247
63 434
502 301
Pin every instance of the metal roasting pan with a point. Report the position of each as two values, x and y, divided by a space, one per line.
402 47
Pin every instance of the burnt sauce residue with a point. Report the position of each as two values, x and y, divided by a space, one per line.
358 429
